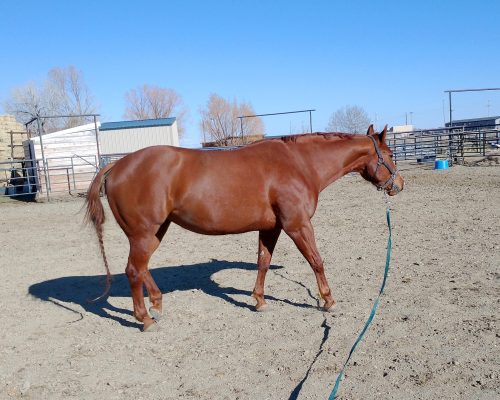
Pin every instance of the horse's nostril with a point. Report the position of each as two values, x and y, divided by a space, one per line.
401 183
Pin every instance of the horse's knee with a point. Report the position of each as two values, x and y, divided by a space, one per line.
318 268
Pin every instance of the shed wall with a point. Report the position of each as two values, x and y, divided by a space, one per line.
118 141
70 157
67 143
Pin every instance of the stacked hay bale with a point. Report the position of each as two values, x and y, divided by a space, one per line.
9 124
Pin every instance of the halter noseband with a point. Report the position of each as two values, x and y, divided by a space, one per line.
381 161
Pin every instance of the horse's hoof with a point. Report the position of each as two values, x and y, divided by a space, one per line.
328 306
261 307
156 314
151 326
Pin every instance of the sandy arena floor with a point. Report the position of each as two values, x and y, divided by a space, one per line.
435 336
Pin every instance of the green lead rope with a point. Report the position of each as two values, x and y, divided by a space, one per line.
374 308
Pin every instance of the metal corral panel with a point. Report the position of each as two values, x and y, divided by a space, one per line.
122 138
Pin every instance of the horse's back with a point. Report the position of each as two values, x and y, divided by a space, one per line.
210 192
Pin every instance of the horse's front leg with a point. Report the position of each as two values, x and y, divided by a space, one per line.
303 237
267 242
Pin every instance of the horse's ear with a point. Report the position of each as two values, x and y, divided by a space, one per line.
370 130
383 134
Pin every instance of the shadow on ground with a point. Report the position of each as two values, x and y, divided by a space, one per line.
80 289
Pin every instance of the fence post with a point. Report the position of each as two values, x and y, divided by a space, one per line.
484 142
461 147
98 145
47 181
73 172
69 184
45 167
450 150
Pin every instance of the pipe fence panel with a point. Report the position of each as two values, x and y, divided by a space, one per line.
58 175
18 180
23 179
69 174
454 145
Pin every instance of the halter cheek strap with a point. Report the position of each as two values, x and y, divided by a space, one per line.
381 161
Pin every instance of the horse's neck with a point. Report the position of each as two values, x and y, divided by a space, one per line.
336 157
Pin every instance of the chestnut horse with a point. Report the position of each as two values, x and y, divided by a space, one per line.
269 186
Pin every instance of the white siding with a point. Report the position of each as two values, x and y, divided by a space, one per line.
119 141
70 157
80 141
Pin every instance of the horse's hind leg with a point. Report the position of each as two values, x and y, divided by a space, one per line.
154 293
141 249
303 238
267 242
155 296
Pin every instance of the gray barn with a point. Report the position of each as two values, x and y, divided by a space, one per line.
128 136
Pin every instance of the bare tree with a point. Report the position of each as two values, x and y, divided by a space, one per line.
219 120
70 94
64 92
349 119
249 126
26 102
152 102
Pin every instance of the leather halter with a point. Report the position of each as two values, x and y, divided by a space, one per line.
381 161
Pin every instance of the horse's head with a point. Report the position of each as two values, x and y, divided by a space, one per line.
380 169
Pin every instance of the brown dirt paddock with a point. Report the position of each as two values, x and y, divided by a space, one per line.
435 335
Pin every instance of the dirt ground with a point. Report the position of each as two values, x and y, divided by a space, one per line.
435 335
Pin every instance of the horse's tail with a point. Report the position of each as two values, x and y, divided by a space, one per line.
95 214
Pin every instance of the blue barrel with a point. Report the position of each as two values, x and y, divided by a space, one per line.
441 164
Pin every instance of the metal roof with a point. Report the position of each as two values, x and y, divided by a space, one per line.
475 119
143 123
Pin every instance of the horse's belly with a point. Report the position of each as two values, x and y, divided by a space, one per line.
222 221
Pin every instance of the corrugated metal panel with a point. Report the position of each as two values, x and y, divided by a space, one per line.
118 141
144 123
79 141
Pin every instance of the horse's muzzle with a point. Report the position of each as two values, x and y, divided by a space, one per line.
396 187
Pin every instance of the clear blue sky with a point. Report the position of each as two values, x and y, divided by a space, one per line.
389 57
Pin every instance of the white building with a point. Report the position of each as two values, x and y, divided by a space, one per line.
402 130
70 158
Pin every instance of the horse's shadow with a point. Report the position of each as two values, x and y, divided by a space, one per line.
80 289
